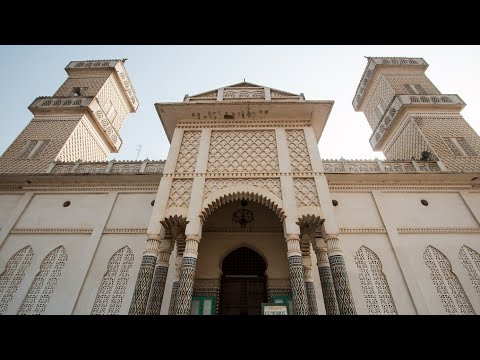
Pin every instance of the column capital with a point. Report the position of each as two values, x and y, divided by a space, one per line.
307 273
293 245
333 246
293 237
192 238
191 246
153 244
322 257
164 252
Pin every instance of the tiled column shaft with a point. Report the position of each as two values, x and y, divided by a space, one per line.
346 305
299 292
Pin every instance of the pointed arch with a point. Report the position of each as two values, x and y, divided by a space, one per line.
471 260
114 283
374 283
13 275
449 288
43 286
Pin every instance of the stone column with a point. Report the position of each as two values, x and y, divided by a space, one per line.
309 286
328 289
145 276
187 276
155 230
159 277
299 292
346 305
176 282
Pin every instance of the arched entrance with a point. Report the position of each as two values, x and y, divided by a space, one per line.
243 286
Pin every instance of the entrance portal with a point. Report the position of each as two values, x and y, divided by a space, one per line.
243 287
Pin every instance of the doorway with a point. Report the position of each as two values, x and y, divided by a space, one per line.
243 287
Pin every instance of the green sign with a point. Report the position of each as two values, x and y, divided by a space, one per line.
274 309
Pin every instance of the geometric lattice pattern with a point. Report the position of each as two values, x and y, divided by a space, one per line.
271 185
409 143
180 193
114 283
185 290
81 146
391 84
300 302
452 147
13 275
306 192
374 283
251 151
173 298
187 157
451 292
437 126
110 100
142 286
157 290
55 129
383 91
298 151
42 288
312 299
471 260
328 290
346 305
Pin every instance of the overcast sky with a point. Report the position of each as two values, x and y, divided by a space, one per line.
167 73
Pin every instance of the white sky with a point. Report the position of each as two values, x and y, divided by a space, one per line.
167 73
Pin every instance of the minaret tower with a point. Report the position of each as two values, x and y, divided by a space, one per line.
411 118
81 121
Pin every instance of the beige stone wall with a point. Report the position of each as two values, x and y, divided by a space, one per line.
91 230
395 226
92 287
8 203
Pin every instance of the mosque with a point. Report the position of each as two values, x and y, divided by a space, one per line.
243 212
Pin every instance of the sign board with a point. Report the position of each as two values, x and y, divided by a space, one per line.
274 309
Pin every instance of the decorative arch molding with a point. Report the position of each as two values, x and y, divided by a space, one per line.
13 275
471 261
250 193
449 288
374 283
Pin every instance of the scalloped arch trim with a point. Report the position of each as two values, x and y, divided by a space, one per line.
267 199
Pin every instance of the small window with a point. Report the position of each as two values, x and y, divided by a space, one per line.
380 109
459 146
33 149
203 305
415 89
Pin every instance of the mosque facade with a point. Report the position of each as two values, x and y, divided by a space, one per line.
244 211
